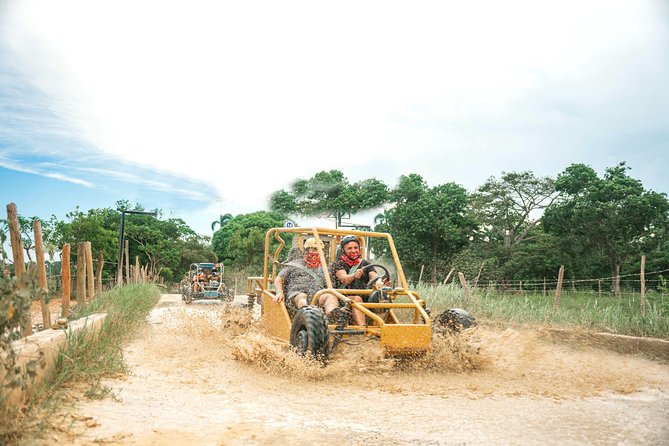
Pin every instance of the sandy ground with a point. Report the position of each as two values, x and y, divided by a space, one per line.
201 374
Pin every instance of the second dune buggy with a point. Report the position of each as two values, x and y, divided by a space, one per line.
205 281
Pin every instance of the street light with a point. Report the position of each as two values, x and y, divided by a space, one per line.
119 275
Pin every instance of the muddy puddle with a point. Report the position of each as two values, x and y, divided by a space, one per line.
203 374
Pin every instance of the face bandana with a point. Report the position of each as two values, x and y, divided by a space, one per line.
349 261
313 260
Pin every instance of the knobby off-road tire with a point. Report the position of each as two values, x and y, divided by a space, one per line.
309 333
453 321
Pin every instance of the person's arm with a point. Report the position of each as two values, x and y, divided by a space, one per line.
278 284
346 278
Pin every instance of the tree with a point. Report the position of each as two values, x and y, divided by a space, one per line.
222 221
241 242
26 229
429 225
195 248
611 216
158 242
98 226
168 246
329 194
4 231
508 209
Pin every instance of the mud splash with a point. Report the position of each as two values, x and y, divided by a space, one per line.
477 363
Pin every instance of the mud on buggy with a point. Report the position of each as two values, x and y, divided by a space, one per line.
396 315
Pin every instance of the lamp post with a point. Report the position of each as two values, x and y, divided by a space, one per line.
119 275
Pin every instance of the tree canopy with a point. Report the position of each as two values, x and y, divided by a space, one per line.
611 216
429 224
168 246
509 208
329 194
241 242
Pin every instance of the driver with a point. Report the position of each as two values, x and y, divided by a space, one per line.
349 272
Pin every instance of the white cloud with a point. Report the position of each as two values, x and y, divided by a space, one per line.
12 165
247 96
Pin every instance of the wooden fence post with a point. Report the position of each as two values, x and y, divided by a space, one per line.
98 275
449 275
558 290
65 279
643 284
420 277
81 273
90 275
468 291
599 287
544 294
17 255
41 275
476 281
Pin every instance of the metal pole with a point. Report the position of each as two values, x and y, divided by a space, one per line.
119 273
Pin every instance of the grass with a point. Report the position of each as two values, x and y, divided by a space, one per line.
588 310
86 358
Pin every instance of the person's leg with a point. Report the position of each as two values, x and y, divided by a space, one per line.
358 315
328 302
300 300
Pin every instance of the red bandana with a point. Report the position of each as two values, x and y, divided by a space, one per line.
350 262
313 260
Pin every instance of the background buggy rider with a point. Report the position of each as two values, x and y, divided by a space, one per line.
300 279
349 273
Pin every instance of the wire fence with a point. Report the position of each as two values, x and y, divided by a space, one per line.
630 284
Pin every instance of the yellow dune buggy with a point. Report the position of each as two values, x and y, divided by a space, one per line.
396 315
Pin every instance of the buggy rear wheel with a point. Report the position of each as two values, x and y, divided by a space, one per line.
309 333
453 320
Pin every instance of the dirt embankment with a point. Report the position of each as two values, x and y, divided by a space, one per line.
202 375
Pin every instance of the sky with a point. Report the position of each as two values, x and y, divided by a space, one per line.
201 108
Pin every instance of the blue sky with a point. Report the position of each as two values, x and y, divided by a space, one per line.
204 107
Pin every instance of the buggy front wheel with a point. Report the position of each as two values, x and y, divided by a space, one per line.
309 333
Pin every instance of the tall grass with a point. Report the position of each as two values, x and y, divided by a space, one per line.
87 357
577 309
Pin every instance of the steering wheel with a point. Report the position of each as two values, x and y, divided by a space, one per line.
383 277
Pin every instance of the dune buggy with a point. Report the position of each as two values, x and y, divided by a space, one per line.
205 281
396 315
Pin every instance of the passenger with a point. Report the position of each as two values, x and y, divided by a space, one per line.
349 272
199 278
301 278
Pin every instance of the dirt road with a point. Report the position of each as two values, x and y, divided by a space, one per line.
202 375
